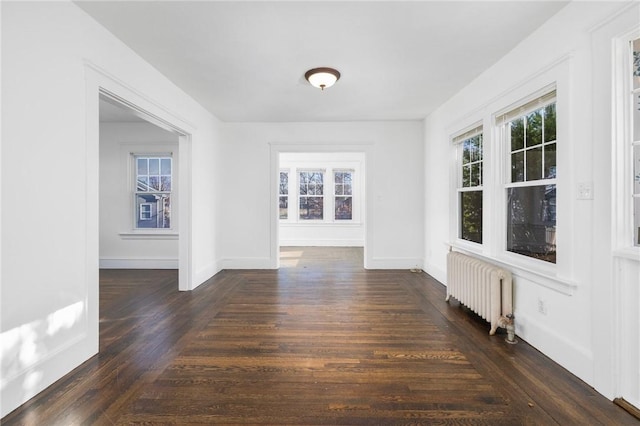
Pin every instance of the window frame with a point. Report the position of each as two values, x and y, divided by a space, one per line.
351 172
322 196
633 143
142 211
136 212
458 140
554 75
287 195
503 122
624 143
329 167
558 276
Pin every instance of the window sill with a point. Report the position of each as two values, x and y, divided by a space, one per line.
320 223
149 235
534 271
540 273
630 253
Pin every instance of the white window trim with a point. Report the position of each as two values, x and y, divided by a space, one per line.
142 213
128 152
559 276
456 140
135 191
323 196
354 167
622 205
333 191
288 195
536 100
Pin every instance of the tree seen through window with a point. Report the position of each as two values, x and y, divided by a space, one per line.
470 192
311 196
531 196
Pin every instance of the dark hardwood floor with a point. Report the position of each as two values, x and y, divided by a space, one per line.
320 341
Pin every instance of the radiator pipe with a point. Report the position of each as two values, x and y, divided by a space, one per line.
511 330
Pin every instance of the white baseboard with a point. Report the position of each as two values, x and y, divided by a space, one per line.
18 387
203 274
577 359
248 263
268 263
435 272
139 263
393 263
321 243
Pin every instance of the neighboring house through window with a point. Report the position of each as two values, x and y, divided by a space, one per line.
152 196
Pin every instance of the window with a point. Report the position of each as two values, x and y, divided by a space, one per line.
635 140
343 189
152 193
311 195
470 159
284 195
530 132
318 190
145 211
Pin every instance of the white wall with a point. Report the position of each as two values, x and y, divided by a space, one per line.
329 232
616 295
120 246
560 50
49 310
394 211
49 318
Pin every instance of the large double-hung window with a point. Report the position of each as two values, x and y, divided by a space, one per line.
530 139
153 186
343 190
311 195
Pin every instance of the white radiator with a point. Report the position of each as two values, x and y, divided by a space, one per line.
484 288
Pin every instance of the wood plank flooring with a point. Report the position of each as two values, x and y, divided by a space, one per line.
320 341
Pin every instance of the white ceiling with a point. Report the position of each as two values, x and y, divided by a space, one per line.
112 113
245 61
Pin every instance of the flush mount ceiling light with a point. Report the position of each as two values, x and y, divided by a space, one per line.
322 77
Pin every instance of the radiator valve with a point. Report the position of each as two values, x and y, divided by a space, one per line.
507 322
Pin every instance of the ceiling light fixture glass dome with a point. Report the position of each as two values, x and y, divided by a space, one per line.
322 77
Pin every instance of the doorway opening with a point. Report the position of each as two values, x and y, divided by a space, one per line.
174 151
139 191
320 203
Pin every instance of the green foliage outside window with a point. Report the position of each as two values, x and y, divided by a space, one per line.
471 200
531 210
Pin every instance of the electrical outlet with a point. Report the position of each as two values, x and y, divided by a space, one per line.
542 307
585 191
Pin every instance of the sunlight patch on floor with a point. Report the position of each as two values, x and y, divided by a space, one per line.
290 259
288 254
